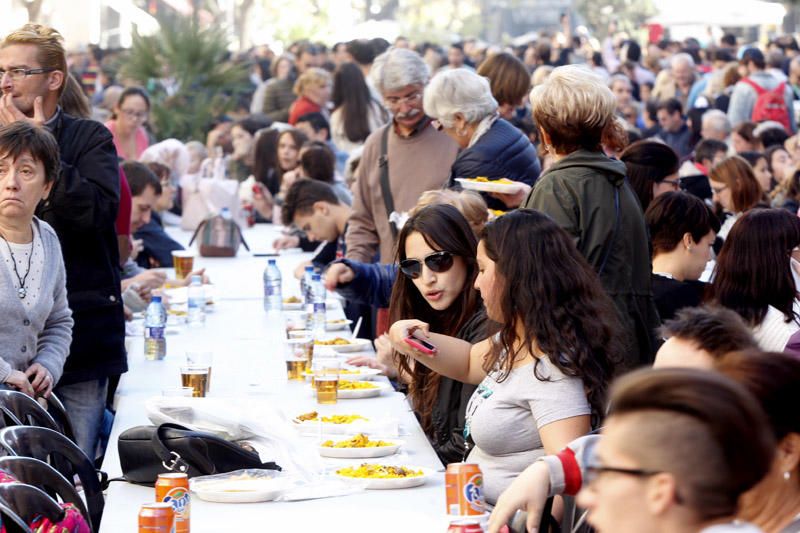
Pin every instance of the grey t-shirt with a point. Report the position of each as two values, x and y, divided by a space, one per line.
504 419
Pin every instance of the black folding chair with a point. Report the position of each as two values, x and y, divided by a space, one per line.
10 520
28 502
62 454
27 410
56 409
40 474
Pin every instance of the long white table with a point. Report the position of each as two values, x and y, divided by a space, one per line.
248 361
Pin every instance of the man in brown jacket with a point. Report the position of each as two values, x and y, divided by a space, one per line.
417 157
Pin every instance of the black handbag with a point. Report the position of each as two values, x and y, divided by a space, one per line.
147 451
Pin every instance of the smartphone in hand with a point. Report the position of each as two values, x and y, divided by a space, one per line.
421 345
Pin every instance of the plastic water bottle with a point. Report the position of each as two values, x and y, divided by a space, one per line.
308 296
225 213
273 301
197 301
305 283
155 322
319 294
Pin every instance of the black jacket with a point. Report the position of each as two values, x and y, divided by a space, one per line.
157 245
82 208
502 152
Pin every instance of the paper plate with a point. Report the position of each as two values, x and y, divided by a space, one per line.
336 325
364 374
240 491
355 394
356 345
360 453
293 306
392 483
489 186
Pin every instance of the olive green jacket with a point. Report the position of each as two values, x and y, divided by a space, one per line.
578 192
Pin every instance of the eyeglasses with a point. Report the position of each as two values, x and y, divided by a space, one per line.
17 74
437 261
593 472
676 184
412 98
136 115
718 190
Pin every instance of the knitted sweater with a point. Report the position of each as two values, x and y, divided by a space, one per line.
44 333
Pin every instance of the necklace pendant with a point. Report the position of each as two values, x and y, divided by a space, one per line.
22 293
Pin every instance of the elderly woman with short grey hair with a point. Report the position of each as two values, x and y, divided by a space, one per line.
36 325
462 106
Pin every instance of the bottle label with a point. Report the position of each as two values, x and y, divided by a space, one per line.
195 303
319 307
154 332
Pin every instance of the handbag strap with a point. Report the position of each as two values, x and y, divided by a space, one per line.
386 191
170 459
613 235
196 231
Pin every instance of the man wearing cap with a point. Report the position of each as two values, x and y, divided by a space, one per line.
745 95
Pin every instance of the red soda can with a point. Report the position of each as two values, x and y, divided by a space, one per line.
174 490
464 486
156 518
465 526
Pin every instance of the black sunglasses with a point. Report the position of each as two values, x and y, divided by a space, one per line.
437 261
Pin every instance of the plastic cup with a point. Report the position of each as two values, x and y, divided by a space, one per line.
196 377
201 358
183 261
326 379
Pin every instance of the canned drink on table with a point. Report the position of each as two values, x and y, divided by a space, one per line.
156 518
174 489
465 526
464 486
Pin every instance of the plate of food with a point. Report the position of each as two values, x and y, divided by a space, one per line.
337 324
238 488
354 390
359 447
342 345
385 476
483 184
335 424
356 373
292 303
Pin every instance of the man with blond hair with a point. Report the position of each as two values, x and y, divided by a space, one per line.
82 208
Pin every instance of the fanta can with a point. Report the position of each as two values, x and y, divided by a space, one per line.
156 518
174 489
464 486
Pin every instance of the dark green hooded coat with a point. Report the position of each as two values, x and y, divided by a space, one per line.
578 193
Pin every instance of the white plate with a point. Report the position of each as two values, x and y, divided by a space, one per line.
397 483
354 394
336 325
240 491
360 453
297 306
356 345
314 427
364 374
489 186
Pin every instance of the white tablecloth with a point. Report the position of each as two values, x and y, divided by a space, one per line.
248 361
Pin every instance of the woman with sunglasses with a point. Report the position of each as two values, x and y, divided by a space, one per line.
544 375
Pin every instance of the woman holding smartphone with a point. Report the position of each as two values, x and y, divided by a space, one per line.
542 379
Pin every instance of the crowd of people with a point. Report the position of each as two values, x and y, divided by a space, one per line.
653 223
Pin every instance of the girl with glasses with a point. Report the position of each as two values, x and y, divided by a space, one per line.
735 191
127 125
543 376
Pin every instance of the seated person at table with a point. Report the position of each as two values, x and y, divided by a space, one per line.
156 246
543 377
682 232
33 295
436 257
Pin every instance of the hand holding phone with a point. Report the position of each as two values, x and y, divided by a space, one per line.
420 345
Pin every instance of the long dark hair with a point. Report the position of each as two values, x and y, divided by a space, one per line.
647 163
444 228
547 285
753 268
351 94
265 160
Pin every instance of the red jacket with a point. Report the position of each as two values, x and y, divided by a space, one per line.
300 107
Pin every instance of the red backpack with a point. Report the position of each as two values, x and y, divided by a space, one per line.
770 105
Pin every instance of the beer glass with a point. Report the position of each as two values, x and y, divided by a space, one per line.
201 359
326 379
183 261
302 348
196 377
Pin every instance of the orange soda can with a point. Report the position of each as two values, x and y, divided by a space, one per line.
464 486
174 489
156 518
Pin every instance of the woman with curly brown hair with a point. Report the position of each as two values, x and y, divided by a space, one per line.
542 379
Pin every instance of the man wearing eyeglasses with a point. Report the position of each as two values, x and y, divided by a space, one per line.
400 160
82 208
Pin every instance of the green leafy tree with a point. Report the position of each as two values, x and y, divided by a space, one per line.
629 15
185 69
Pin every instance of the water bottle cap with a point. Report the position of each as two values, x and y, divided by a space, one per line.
156 299
271 261
225 210
197 279
310 268
316 277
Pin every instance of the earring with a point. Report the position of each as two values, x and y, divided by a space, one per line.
688 248
787 475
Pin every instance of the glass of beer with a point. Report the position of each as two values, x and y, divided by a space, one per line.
183 261
302 347
326 379
201 359
196 377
